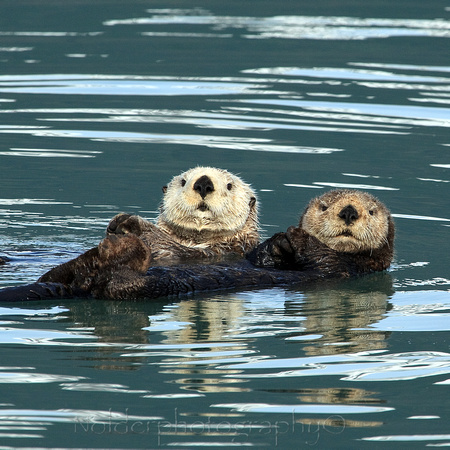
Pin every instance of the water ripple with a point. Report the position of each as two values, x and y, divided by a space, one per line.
417 217
303 409
40 337
49 153
222 142
45 312
409 114
364 366
100 387
347 74
410 438
418 310
348 186
68 415
119 85
27 377
294 27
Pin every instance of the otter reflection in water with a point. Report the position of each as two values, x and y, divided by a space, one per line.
339 315
330 319
342 233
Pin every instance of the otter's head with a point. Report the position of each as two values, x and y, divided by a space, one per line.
349 221
209 199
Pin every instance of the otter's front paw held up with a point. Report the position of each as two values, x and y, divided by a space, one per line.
115 222
126 224
274 252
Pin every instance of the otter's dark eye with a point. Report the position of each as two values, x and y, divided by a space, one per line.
229 186
183 182
371 212
323 207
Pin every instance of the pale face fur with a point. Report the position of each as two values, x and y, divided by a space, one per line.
347 220
206 205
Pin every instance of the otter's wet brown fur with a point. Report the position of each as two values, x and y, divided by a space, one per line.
116 269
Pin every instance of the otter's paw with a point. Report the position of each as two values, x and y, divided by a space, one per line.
126 224
281 252
115 222
274 252
296 237
115 251
280 246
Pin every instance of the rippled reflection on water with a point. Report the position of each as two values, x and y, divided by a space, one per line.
288 27
215 350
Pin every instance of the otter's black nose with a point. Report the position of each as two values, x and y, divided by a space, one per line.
204 186
349 214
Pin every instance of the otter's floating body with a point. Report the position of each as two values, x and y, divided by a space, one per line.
341 234
170 281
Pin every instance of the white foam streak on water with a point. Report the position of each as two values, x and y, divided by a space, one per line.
347 74
234 143
303 409
410 438
355 367
417 217
16 49
435 180
418 311
69 415
431 100
32 312
339 114
100 387
415 67
356 186
308 186
125 85
414 322
296 27
32 377
236 122
435 116
9 335
30 201
50 34
49 153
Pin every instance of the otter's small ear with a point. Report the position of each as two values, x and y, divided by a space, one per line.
164 189
252 202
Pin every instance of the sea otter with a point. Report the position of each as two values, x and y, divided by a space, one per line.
343 231
205 212
341 234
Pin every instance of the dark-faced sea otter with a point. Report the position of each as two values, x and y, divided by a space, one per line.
342 233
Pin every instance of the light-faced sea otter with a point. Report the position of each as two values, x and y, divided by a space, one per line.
205 212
